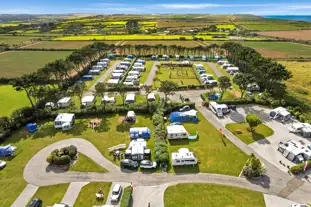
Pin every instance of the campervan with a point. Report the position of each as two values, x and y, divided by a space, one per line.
113 81
116 76
138 64
280 113
94 72
226 65
64 102
139 68
221 62
132 78
97 67
218 109
131 73
301 128
64 121
177 57
176 132
88 100
165 57
184 157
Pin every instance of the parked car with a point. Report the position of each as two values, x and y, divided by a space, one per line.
185 108
130 164
201 72
116 193
60 205
147 164
36 202
300 205
2 164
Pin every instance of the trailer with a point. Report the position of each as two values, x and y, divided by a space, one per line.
94 72
218 109
184 157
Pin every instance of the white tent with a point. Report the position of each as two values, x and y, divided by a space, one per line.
176 132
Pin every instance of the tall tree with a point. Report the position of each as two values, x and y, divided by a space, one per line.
224 84
100 90
168 88
77 90
242 80
148 90
122 91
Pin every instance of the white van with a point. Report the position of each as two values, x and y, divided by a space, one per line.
132 78
116 76
138 64
131 73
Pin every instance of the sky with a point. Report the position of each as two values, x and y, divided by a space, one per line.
256 7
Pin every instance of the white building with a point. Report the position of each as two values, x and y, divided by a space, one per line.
88 100
280 113
176 132
64 121
184 157
137 149
64 102
218 109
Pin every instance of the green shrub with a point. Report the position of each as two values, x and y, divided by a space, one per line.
205 103
62 156
297 169
126 198
62 160
49 159
252 120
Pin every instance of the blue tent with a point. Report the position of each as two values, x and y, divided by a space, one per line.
6 150
31 127
131 56
186 116
110 56
140 132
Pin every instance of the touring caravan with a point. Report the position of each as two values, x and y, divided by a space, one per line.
113 81
176 131
64 121
64 102
97 67
132 78
104 64
294 151
280 113
218 109
177 57
138 64
88 100
139 68
204 58
165 57
151 97
221 62
140 61
105 60
301 128
94 72
122 67
226 65
184 157
116 76
108 99
87 77
129 84
125 63
118 71
130 98
232 70
132 73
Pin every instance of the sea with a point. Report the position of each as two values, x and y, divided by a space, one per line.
306 18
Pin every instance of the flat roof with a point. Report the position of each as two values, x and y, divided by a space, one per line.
64 117
171 129
88 99
64 100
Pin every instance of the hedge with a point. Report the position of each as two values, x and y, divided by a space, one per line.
297 169
126 198
62 156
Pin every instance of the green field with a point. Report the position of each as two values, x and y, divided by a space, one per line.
65 44
51 194
274 25
11 100
125 37
17 63
241 131
211 195
280 49
14 40
85 164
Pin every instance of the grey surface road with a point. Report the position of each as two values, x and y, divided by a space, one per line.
103 77
152 74
215 69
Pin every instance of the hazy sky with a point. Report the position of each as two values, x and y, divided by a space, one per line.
258 7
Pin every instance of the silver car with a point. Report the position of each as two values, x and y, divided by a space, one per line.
116 193
148 164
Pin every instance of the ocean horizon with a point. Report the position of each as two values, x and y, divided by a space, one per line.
306 18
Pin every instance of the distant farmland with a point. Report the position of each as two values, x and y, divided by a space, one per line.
20 62
65 44
14 40
297 35
171 42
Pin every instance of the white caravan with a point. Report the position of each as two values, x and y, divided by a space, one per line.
280 113
184 157
64 121
88 100
116 76
301 128
132 73
218 109
64 102
176 132
97 67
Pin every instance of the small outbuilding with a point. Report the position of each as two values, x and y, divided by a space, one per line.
140 133
185 116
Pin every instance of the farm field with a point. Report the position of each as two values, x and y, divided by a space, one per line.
297 35
214 153
14 40
280 49
17 63
214 196
181 77
11 100
188 43
274 25
111 132
126 37
65 44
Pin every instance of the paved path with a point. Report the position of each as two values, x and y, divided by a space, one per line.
275 201
25 196
116 204
152 74
103 77
72 193
215 69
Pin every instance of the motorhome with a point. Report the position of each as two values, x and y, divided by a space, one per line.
88 100
64 102
226 65
125 63
139 68
165 57
94 72
294 151
218 109
116 76
184 157
130 98
64 121
176 131
138 64
132 78
108 99
113 81
301 128
97 67
221 62
280 113
131 73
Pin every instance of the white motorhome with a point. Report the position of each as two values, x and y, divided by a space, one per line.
232 70
177 57
176 132
97 67
151 97
116 76
132 73
118 71
301 128
294 151
104 64
221 62
139 68
94 72
88 100
218 109
138 64
184 157
130 98
64 102
107 99
280 113
113 81
132 78
226 65
64 121
125 63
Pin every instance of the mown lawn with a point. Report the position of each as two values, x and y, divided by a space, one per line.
85 164
13 40
87 195
145 74
214 153
211 195
241 131
125 195
51 194
16 63
111 132
11 100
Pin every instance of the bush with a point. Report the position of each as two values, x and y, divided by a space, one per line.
253 167
62 156
297 169
127 197
252 120
62 160
205 103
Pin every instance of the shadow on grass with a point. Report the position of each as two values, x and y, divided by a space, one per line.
124 127
78 128
104 126
179 170
177 142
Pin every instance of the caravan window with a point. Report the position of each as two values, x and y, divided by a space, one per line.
177 160
190 160
184 134
58 123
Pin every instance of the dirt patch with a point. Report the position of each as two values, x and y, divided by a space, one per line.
121 119
297 35
272 54
237 94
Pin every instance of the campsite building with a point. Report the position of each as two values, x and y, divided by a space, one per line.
176 132
64 121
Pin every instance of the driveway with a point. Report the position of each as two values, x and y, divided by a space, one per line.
215 69
152 74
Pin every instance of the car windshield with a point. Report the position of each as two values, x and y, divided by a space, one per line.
115 192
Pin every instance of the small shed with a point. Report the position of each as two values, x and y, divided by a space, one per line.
186 116
140 133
